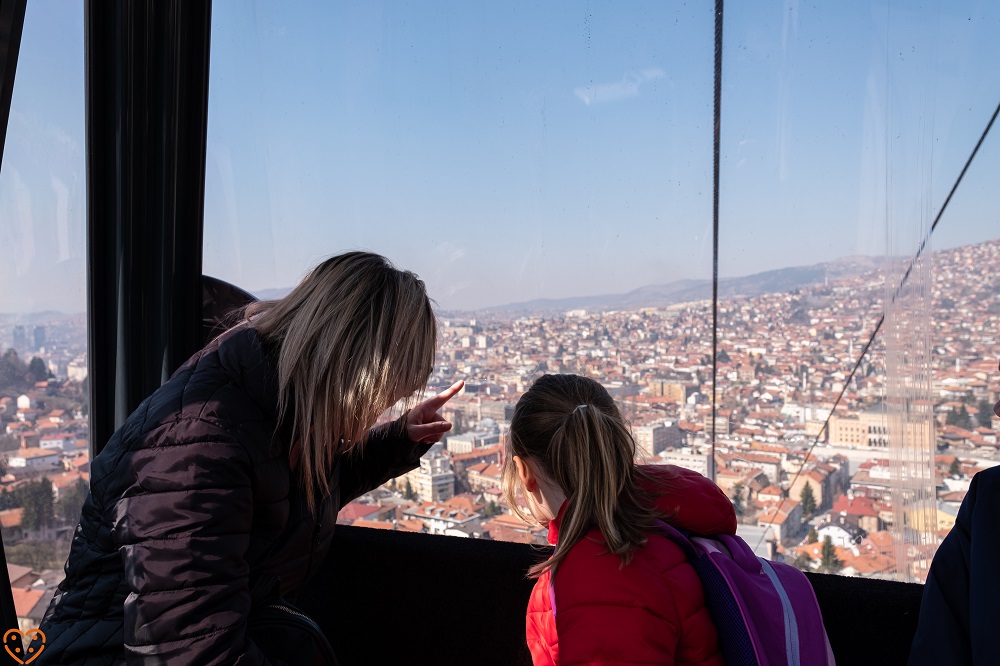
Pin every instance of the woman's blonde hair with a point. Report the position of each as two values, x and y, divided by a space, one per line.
355 335
571 429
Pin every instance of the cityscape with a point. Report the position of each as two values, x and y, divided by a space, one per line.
811 485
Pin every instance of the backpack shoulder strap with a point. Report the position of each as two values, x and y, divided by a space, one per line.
691 550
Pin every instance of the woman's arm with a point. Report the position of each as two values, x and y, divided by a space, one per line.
395 448
386 454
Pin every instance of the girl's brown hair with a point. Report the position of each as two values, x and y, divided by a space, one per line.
353 336
570 427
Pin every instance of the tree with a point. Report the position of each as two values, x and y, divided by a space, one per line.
738 499
38 555
808 500
12 370
71 500
799 316
828 560
954 470
723 357
37 372
952 418
812 537
39 504
408 491
9 443
985 415
8 500
491 509
965 421
802 562
959 418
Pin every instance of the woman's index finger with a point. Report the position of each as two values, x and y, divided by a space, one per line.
447 394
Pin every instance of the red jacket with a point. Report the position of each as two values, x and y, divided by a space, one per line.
649 612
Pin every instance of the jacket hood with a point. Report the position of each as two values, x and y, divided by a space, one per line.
691 502
687 500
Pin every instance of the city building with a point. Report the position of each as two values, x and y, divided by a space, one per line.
486 433
868 428
20 339
650 440
434 480
34 458
686 458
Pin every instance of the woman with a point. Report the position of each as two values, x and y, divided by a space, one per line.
232 473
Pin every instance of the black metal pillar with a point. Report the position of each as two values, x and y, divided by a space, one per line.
11 26
147 115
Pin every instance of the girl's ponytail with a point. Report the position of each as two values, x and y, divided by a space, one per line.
573 429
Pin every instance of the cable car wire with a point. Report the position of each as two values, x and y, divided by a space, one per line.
715 222
878 326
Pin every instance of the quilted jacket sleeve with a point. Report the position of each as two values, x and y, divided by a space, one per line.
387 453
183 527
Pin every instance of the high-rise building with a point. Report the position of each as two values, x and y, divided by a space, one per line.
435 477
650 440
39 337
20 341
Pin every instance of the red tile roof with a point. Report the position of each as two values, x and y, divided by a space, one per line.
25 600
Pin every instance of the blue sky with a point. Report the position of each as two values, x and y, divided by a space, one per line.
508 151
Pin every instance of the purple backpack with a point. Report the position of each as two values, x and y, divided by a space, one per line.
765 612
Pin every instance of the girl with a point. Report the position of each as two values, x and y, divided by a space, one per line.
232 473
613 591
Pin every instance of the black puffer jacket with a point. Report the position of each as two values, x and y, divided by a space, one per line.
193 500
961 601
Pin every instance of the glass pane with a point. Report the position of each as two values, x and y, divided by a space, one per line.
43 331
553 187
545 168
844 128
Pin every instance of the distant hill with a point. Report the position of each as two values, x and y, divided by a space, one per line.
683 291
